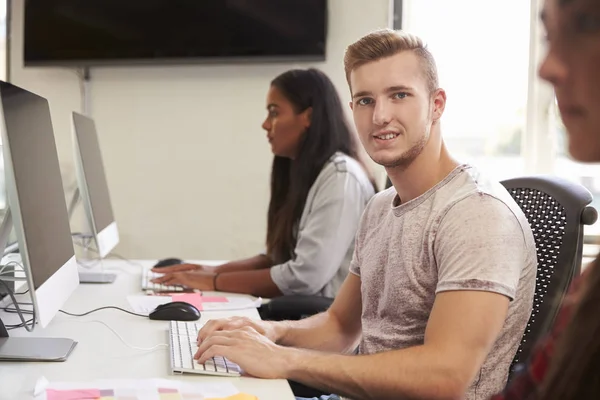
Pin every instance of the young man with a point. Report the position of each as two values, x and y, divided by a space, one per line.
442 279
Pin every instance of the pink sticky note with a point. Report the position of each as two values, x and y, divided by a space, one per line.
196 299
167 390
80 394
207 299
192 298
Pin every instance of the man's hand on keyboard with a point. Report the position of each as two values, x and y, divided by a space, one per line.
252 351
193 279
264 328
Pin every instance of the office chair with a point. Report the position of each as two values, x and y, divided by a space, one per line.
294 307
557 211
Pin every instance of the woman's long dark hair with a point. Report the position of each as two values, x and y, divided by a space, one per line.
291 180
574 371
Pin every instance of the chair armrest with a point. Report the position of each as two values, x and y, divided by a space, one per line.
295 307
589 215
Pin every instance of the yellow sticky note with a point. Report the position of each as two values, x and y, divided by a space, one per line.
239 396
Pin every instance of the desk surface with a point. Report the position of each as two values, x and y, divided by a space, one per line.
100 354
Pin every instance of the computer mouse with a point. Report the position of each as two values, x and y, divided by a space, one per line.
168 262
175 311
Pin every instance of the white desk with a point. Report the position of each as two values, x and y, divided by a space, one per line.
101 355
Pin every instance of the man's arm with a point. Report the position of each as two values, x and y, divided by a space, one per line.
336 330
462 329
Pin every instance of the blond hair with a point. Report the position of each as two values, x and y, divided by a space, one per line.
385 43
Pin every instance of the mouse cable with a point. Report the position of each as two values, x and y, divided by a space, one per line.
103 308
121 339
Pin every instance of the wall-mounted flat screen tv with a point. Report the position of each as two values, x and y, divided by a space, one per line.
108 32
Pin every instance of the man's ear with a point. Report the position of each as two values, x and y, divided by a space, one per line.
351 104
439 104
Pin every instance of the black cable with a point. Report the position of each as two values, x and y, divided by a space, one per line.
111 254
11 327
85 242
88 246
23 322
15 311
103 308
81 235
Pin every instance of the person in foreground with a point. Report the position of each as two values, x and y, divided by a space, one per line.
319 190
566 364
443 273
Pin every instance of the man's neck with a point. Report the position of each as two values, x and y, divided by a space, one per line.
427 170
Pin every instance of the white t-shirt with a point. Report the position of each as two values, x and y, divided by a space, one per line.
465 233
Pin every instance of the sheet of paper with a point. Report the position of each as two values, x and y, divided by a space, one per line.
217 303
144 389
146 304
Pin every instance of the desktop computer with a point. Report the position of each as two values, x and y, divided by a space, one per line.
38 211
93 191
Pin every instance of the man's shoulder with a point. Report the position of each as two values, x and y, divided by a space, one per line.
485 200
378 208
471 185
382 201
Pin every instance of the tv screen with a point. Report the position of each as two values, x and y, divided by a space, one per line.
96 32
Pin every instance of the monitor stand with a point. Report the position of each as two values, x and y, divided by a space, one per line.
88 276
28 348
33 349
96 277
93 276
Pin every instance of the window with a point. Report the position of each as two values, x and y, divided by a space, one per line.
500 116
485 76
3 60
3 36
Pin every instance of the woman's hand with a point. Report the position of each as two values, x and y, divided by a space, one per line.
193 278
182 268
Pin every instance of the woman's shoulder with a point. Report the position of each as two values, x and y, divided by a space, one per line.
343 169
342 163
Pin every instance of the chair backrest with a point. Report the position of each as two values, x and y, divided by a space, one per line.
556 210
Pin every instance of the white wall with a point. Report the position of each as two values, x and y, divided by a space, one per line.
186 159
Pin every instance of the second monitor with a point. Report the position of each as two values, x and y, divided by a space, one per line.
94 193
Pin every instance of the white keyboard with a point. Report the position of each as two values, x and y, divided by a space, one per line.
183 338
147 275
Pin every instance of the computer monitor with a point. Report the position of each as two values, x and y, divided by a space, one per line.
38 211
93 187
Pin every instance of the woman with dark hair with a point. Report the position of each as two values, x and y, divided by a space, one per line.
319 189
566 365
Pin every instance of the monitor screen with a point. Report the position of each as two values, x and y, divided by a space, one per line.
95 32
92 168
36 198
93 186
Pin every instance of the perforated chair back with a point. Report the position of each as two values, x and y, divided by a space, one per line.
556 210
